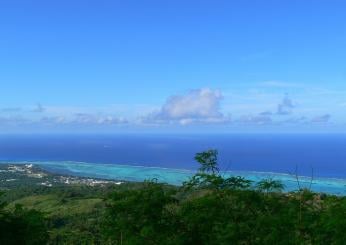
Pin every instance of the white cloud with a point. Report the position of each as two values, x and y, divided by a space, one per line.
266 113
196 106
54 120
11 109
321 119
84 118
39 108
296 120
257 119
13 120
285 107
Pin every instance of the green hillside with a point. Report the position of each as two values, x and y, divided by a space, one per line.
207 209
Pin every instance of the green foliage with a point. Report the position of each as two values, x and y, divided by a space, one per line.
208 161
236 182
202 180
137 216
22 226
270 185
213 181
211 209
208 209
153 215
208 175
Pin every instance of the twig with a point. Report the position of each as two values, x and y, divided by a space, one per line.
312 178
227 168
297 178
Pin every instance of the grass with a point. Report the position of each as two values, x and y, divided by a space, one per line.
53 205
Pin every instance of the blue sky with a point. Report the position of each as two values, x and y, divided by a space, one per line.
181 66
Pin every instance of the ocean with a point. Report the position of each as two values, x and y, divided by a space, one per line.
170 157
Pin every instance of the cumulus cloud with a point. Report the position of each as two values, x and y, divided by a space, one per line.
18 120
266 113
296 120
11 109
286 106
39 108
256 119
54 120
84 118
196 106
321 119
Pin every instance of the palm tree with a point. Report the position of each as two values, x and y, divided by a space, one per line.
270 185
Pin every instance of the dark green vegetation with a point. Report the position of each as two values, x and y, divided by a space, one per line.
207 209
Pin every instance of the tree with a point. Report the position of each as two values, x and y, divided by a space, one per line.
237 182
22 226
208 173
208 176
139 216
270 185
208 161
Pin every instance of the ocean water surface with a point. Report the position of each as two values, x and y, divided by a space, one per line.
169 158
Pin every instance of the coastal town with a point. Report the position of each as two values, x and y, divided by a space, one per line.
23 174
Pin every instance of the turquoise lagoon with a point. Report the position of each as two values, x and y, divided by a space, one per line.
178 176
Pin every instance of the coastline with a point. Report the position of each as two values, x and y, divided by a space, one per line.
129 173
24 175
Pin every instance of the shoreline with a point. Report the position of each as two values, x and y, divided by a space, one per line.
181 170
129 173
14 175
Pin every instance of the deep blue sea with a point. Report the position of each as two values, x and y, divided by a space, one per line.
171 155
